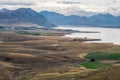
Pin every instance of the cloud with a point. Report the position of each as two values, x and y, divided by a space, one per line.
114 11
69 2
68 7
16 2
76 10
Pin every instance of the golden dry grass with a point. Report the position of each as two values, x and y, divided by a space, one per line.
106 74
42 56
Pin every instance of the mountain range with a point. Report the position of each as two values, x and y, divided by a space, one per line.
26 17
23 17
99 20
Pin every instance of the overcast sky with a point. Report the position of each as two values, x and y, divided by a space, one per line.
67 7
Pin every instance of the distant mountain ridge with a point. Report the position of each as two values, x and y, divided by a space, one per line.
99 20
26 17
23 17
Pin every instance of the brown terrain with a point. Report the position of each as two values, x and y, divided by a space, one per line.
35 57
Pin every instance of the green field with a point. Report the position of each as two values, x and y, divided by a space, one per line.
95 65
100 56
103 56
39 33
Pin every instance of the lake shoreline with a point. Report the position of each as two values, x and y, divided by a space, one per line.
107 35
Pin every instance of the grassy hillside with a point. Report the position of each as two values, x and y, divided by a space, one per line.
31 57
106 74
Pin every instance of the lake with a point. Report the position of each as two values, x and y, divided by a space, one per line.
107 35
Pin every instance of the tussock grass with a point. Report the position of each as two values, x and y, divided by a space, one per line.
65 73
105 74
45 57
